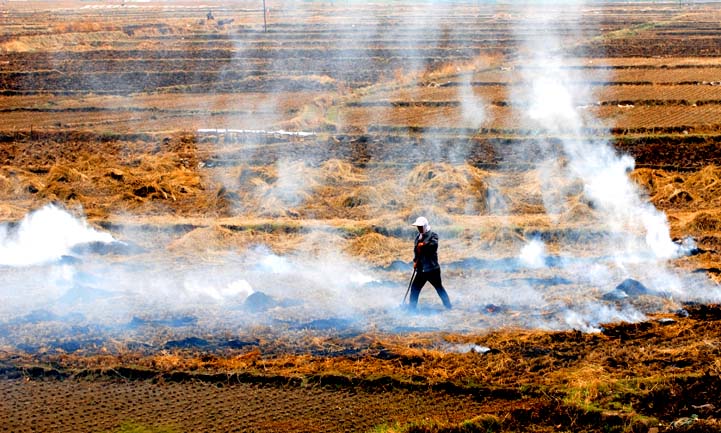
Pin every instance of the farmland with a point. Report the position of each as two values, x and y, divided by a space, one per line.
260 183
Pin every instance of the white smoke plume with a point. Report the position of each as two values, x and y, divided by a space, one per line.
45 236
533 254
554 100
552 97
307 284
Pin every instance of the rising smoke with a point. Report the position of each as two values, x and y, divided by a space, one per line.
554 100
45 236
317 280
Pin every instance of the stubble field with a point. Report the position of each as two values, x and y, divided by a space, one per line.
294 160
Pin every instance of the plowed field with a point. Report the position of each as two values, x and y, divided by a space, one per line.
50 405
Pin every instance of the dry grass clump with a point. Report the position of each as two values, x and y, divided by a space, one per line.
329 202
156 183
578 212
239 236
16 183
219 238
338 172
9 212
274 191
647 179
107 177
668 189
522 194
705 185
707 221
341 192
541 191
250 177
64 183
6 184
460 189
320 243
63 173
435 215
377 249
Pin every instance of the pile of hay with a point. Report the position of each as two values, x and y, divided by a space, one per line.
337 172
276 190
323 241
705 186
378 249
704 222
458 189
688 191
17 183
220 239
542 191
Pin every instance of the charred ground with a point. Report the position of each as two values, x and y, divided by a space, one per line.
662 373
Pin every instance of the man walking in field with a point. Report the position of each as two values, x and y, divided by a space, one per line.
425 262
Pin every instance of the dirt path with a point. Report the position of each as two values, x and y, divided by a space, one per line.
106 405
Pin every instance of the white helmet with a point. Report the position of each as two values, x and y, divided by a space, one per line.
422 222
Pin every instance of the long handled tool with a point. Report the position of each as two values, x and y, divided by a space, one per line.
409 286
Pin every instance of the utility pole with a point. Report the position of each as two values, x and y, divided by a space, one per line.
265 20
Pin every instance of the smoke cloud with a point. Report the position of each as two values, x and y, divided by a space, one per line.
533 254
636 240
316 284
45 236
555 100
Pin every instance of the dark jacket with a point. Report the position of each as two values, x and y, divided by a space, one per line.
426 256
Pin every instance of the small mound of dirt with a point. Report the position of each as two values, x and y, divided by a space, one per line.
259 302
633 287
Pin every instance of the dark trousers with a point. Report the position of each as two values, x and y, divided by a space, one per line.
433 277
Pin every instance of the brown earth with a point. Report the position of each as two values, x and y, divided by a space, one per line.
629 377
197 405
99 111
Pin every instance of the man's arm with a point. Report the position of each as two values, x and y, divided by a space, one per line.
431 243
